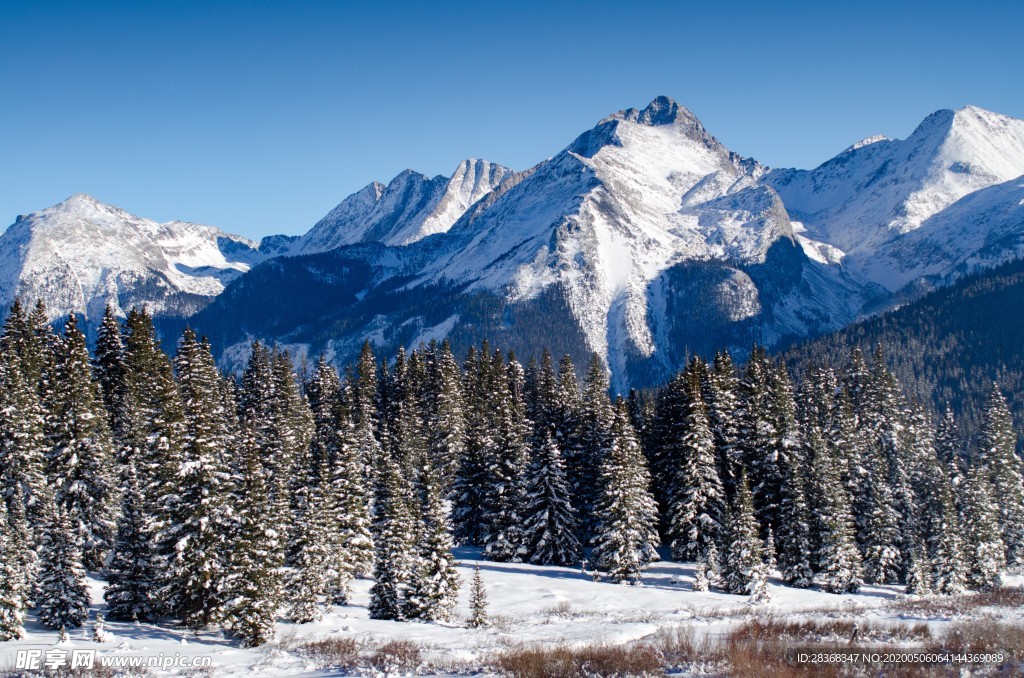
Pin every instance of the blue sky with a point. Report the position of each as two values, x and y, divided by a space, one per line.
258 117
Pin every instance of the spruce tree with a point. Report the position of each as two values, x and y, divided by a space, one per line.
919 578
985 547
81 461
311 551
724 418
477 601
200 525
108 367
252 590
394 541
838 559
133 576
12 593
1004 471
63 597
22 445
446 418
696 498
743 569
508 459
549 521
942 528
435 586
594 439
625 511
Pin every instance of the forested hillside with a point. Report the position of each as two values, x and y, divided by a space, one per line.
945 348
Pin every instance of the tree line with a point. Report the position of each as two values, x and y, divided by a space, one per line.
218 501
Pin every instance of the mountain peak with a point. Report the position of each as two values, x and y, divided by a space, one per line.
662 110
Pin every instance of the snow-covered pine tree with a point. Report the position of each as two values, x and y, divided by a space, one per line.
700 575
761 441
12 592
567 419
63 600
435 586
1004 470
133 577
81 461
200 525
696 498
723 418
311 551
477 601
949 447
108 368
986 553
394 541
22 445
942 531
470 486
252 591
742 571
919 576
354 547
446 418
838 559
594 437
549 521
504 540
880 538
626 514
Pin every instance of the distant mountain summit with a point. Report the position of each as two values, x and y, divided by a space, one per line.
81 254
644 240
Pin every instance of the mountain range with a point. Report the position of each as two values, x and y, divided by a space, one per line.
644 240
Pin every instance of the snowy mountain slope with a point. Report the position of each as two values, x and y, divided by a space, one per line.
412 206
81 254
606 244
866 198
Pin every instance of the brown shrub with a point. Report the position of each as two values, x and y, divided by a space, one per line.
401 656
592 661
341 653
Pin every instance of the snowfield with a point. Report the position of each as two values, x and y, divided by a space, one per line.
528 605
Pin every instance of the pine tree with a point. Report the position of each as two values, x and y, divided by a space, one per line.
108 367
82 458
700 575
508 460
1005 473
724 418
63 597
477 601
133 576
743 569
696 499
986 551
549 522
919 579
22 446
435 587
625 511
594 439
446 419
394 541
200 525
882 559
943 533
12 593
838 559
253 586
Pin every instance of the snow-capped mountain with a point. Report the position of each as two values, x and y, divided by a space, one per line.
644 237
866 200
644 240
412 206
81 254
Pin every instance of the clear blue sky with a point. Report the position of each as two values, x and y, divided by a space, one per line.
258 117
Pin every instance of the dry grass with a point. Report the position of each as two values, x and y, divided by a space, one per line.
961 605
336 653
772 628
396 656
591 661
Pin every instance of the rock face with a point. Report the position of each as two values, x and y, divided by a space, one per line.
81 254
644 240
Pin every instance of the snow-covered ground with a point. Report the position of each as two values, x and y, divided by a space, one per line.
528 605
